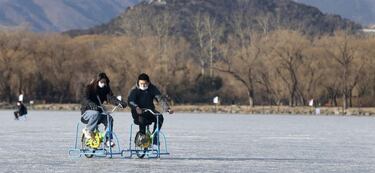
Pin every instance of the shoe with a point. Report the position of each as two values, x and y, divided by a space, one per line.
110 145
88 134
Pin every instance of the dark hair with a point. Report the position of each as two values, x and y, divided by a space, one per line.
144 76
99 77
93 86
102 76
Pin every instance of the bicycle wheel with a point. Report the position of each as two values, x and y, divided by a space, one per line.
85 148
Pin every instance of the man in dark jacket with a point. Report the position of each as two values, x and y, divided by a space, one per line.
141 97
21 110
96 93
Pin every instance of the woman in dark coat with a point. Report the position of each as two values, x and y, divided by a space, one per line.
97 92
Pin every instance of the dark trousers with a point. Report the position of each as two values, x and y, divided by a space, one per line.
146 119
17 114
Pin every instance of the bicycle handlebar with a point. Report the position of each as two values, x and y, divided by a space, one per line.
118 106
103 108
152 112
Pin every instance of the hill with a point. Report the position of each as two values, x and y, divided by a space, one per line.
361 11
60 15
259 14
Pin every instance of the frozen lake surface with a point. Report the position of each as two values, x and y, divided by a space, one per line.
199 143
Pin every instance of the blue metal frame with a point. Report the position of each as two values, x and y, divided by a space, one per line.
150 153
78 151
102 151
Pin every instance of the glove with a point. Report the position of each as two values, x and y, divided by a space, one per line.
123 104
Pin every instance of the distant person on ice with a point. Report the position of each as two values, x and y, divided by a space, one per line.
141 97
91 109
21 110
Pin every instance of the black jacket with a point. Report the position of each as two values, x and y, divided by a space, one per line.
90 99
145 99
22 110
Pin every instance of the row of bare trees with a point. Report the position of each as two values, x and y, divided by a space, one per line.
55 68
291 68
254 68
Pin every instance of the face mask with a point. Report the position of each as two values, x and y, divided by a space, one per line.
101 85
143 87
18 104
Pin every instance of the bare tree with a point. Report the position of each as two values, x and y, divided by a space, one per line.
265 21
213 35
240 62
137 22
162 25
346 63
197 23
16 64
288 51
207 36
312 75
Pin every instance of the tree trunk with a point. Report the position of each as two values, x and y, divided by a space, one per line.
303 101
350 98
345 96
8 93
334 100
250 93
291 99
202 67
211 57
345 101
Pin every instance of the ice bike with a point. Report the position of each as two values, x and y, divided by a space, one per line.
96 146
142 146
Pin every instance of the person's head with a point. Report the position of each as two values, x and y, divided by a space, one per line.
102 80
143 81
100 83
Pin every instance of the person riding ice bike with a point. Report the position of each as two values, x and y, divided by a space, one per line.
93 113
21 110
140 98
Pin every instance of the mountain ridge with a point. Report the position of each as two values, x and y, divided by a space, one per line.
281 13
361 11
60 15
64 15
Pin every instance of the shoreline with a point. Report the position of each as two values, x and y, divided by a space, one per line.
231 109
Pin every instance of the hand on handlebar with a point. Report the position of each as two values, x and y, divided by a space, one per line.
122 105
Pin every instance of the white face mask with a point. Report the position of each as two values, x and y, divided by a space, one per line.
101 84
18 104
143 87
